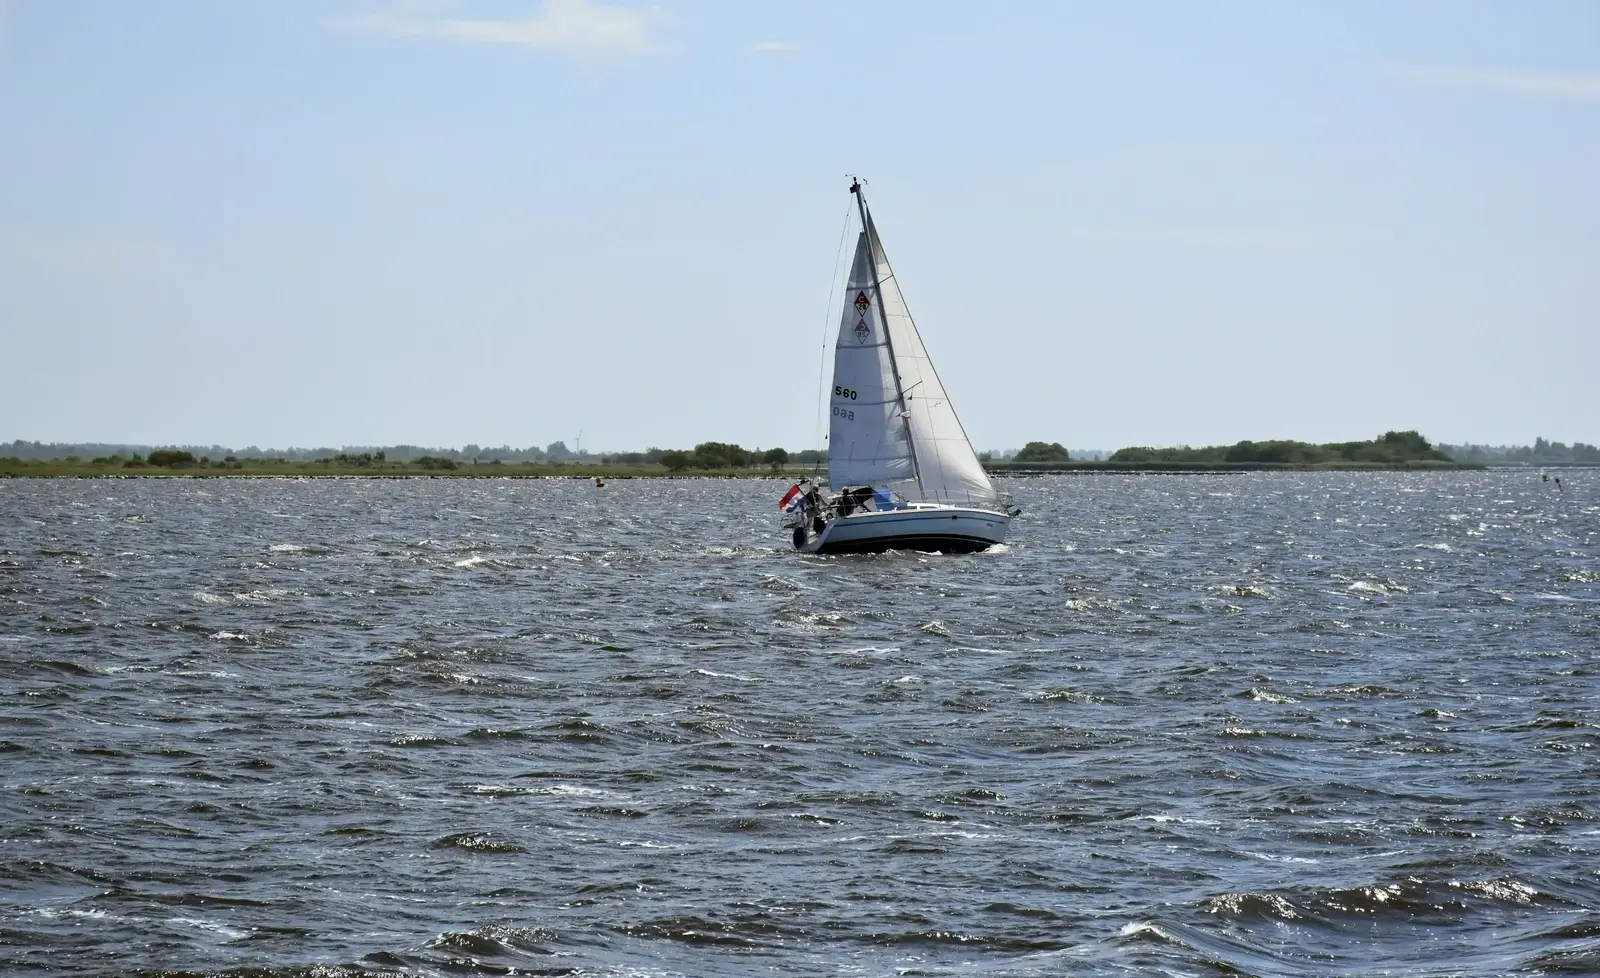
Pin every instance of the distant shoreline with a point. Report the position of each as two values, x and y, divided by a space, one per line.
1050 468
1392 451
60 469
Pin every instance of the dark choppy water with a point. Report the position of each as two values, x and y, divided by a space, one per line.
1277 724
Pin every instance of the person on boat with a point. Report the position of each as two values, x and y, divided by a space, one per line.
851 500
805 502
813 509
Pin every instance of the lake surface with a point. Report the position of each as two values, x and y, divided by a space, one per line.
1264 724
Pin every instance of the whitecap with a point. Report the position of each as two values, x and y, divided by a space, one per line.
1181 820
576 791
1282 859
1267 696
261 596
1146 929
1245 591
725 675
213 926
645 844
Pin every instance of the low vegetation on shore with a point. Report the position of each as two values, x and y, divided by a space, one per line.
1394 450
705 459
1541 452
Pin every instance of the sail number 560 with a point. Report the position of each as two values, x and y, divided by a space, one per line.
844 392
844 413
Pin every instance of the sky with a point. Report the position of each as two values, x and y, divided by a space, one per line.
366 222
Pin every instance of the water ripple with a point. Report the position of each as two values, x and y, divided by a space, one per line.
1271 724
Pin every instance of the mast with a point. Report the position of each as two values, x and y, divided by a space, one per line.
883 315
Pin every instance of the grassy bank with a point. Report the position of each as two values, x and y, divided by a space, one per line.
1042 468
285 468
282 468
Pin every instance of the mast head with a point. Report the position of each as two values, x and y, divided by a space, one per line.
855 185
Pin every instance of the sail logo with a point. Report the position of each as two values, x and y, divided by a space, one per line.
862 302
863 332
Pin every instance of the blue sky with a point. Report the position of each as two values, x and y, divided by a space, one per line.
367 221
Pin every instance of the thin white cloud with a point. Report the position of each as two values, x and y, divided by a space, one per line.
1268 239
1584 88
774 47
581 26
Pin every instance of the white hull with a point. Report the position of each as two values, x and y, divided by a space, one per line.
949 529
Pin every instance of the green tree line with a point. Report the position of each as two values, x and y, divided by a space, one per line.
1541 452
1393 447
707 455
720 455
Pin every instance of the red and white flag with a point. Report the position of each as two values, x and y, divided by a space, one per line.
792 499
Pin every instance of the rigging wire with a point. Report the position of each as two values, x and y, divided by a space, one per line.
822 360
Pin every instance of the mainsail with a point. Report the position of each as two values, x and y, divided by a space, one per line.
891 422
868 441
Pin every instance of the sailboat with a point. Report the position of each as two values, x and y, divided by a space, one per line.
902 473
